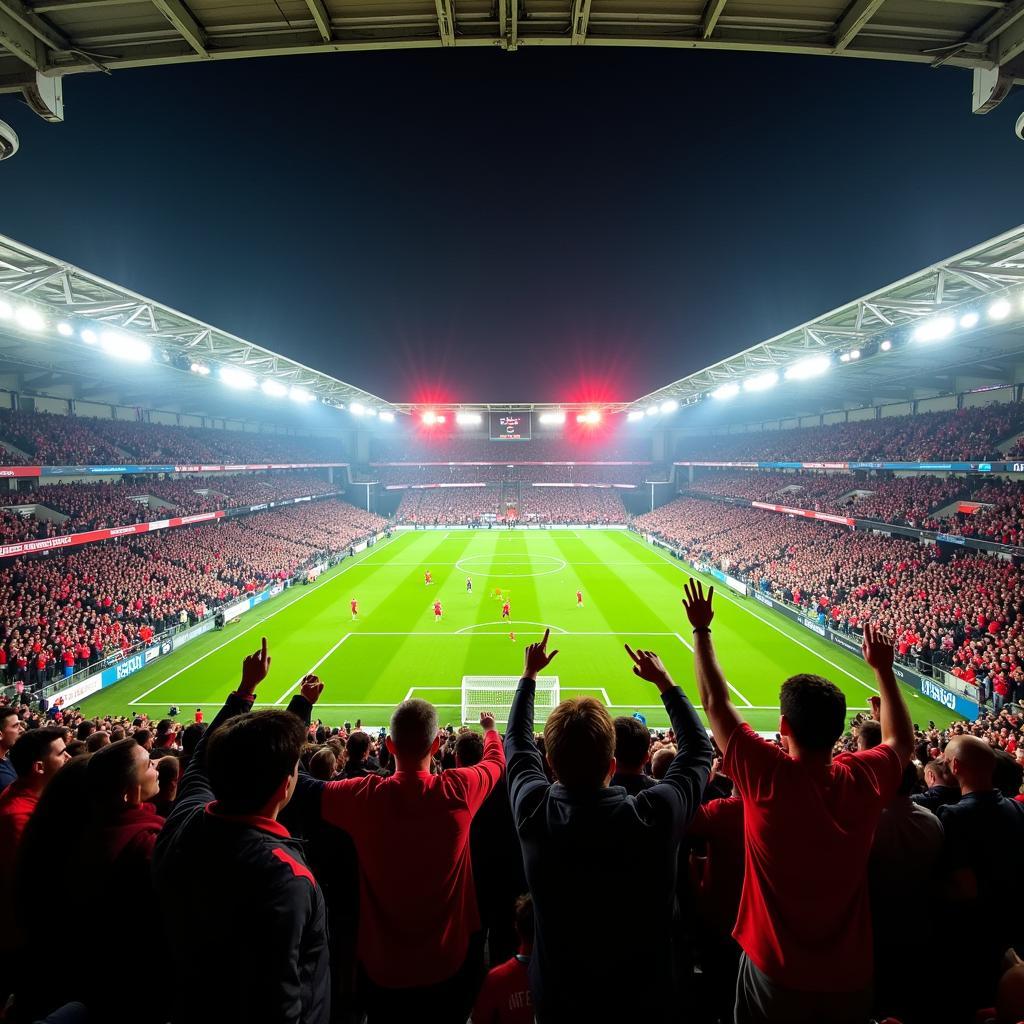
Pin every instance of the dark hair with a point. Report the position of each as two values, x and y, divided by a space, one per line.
909 781
32 746
7 712
168 769
815 710
142 737
249 757
632 742
85 730
323 764
76 748
580 741
469 748
940 769
524 918
413 728
358 746
113 771
1008 774
164 726
97 741
190 737
117 733
870 734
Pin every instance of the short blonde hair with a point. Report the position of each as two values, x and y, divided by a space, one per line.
579 738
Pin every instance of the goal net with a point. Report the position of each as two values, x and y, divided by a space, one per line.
495 693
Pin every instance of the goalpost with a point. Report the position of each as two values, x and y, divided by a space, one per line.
495 693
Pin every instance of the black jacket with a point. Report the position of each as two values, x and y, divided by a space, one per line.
247 919
595 860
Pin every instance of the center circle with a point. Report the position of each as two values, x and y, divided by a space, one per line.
483 565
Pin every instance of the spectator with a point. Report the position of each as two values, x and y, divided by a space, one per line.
632 754
580 837
258 950
168 770
411 832
360 763
505 996
941 786
11 728
984 846
804 922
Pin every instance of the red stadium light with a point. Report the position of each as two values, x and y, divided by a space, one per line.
430 418
441 418
591 416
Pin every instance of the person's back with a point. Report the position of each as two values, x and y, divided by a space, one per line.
591 848
504 997
418 910
249 942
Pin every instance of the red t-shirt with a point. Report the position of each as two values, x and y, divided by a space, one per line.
417 906
355 604
437 607
505 996
720 823
804 917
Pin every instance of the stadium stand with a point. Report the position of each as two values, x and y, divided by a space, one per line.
444 448
52 439
967 434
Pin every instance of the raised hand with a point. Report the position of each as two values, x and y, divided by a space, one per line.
698 607
877 648
487 718
647 665
254 669
537 658
311 688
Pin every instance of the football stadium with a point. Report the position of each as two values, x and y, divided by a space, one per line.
335 688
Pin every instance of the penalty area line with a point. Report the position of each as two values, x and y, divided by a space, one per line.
689 647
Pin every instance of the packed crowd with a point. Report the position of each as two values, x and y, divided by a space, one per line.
465 506
62 613
441 875
967 435
633 475
445 448
89 505
50 439
958 613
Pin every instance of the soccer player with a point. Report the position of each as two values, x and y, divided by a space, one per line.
199 716
579 598
437 611
506 610
469 585
427 579
354 605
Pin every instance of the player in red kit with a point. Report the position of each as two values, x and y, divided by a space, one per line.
437 611
579 598
506 610
199 716
354 605
427 579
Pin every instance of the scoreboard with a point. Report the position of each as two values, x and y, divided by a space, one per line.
511 426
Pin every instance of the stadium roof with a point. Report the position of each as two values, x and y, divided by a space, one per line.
954 326
44 40
70 305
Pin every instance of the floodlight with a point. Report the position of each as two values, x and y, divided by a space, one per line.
935 329
999 310
356 408
65 330
634 415
591 416
845 357
968 320
652 410
886 345
855 354
236 378
124 346
386 417
730 390
441 417
553 417
273 388
762 382
669 406
371 413
6 310
468 419
297 394
29 319
89 336
201 369
813 366
429 418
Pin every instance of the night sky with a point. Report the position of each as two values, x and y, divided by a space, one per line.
546 225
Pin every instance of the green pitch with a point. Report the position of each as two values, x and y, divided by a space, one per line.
631 593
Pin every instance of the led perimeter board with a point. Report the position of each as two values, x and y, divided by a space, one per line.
511 426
